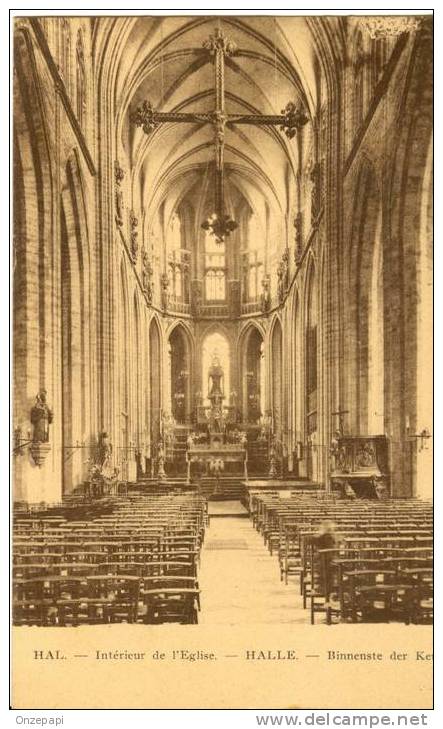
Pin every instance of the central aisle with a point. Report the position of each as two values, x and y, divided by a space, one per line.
240 581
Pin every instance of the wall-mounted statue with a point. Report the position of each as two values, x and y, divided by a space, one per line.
215 378
334 451
119 174
133 221
41 418
283 275
265 297
104 450
164 282
147 274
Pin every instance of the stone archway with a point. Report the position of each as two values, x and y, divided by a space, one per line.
181 375
277 377
252 359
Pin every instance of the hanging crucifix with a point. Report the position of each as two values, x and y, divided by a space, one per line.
292 118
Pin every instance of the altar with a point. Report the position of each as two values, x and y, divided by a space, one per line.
216 444
202 456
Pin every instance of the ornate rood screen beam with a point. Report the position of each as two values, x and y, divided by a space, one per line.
292 118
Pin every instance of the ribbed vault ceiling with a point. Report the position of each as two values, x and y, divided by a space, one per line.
163 60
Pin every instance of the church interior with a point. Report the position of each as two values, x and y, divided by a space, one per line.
222 319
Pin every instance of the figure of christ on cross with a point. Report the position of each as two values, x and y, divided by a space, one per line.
292 118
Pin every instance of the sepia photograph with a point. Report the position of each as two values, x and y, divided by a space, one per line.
222 376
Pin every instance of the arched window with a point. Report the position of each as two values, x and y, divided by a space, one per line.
253 259
178 261
80 79
215 269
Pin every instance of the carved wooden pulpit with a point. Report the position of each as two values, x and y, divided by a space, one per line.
360 464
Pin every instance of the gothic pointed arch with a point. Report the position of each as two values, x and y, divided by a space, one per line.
75 325
365 306
251 353
276 374
181 373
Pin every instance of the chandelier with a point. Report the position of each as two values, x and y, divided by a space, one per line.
220 226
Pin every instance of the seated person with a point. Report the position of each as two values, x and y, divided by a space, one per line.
326 535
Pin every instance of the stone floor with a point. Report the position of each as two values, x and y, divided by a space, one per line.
240 581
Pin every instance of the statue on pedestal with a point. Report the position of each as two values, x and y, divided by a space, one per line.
119 175
147 274
334 451
133 222
283 275
41 418
265 297
164 283
104 455
215 375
